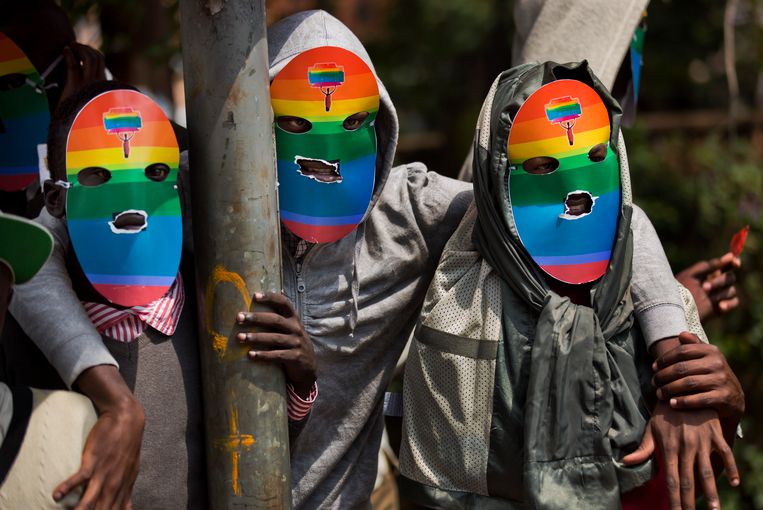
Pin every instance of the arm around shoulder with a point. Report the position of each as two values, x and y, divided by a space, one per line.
49 311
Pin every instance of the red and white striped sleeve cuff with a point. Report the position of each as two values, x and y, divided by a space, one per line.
297 407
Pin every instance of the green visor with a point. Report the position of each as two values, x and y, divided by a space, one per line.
24 246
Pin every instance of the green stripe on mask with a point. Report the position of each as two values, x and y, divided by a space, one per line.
156 198
347 146
577 172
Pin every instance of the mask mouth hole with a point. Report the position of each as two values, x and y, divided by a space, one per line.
319 170
131 221
578 204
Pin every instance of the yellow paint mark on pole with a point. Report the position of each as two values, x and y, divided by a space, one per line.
233 445
221 275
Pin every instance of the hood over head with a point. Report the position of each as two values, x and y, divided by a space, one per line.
307 30
492 162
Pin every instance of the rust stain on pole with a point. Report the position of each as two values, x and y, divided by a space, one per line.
237 246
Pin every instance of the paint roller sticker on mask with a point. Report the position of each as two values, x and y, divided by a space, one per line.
325 103
564 181
122 207
24 117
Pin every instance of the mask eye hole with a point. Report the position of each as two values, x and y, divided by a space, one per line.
354 121
93 176
157 172
541 165
598 152
294 124
12 81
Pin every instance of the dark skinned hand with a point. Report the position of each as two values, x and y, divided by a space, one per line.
110 459
695 375
282 339
687 440
83 65
711 283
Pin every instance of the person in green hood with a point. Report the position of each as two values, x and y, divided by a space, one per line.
528 379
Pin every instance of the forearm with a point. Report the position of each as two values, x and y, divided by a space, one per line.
104 385
657 302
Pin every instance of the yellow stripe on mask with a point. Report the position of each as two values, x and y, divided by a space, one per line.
19 65
114 159
316 110
558 147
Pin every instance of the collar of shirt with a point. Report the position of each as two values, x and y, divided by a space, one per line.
127 324
296 246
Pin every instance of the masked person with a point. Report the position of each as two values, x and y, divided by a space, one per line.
24 119
36 72
42 433
528 377
359 251
118 155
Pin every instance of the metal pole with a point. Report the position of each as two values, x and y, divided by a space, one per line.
237 246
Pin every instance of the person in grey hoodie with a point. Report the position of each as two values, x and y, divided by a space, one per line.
357 296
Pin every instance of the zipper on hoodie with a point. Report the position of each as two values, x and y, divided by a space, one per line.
300 282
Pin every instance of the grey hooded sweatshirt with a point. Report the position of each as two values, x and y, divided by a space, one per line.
358 297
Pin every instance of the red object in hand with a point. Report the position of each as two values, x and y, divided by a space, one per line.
737 242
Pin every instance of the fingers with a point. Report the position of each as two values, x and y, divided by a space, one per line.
683 353
708 399
72 60
729 463
707 480
723 280
276 356
77 479
728 305
277 301
730 261
684 369
90 497
269 339
702 268
270 321
86 59
686 482
671 478
111 489
694 385
686 338
644 450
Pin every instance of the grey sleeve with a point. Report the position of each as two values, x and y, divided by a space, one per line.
657 301
438 204
603 31
50 313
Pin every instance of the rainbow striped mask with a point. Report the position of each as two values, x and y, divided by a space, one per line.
564 181
24 117
123 208
325 103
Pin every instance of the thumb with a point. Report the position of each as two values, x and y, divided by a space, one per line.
686 338
644 450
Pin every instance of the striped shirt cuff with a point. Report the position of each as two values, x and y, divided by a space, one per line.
297 407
